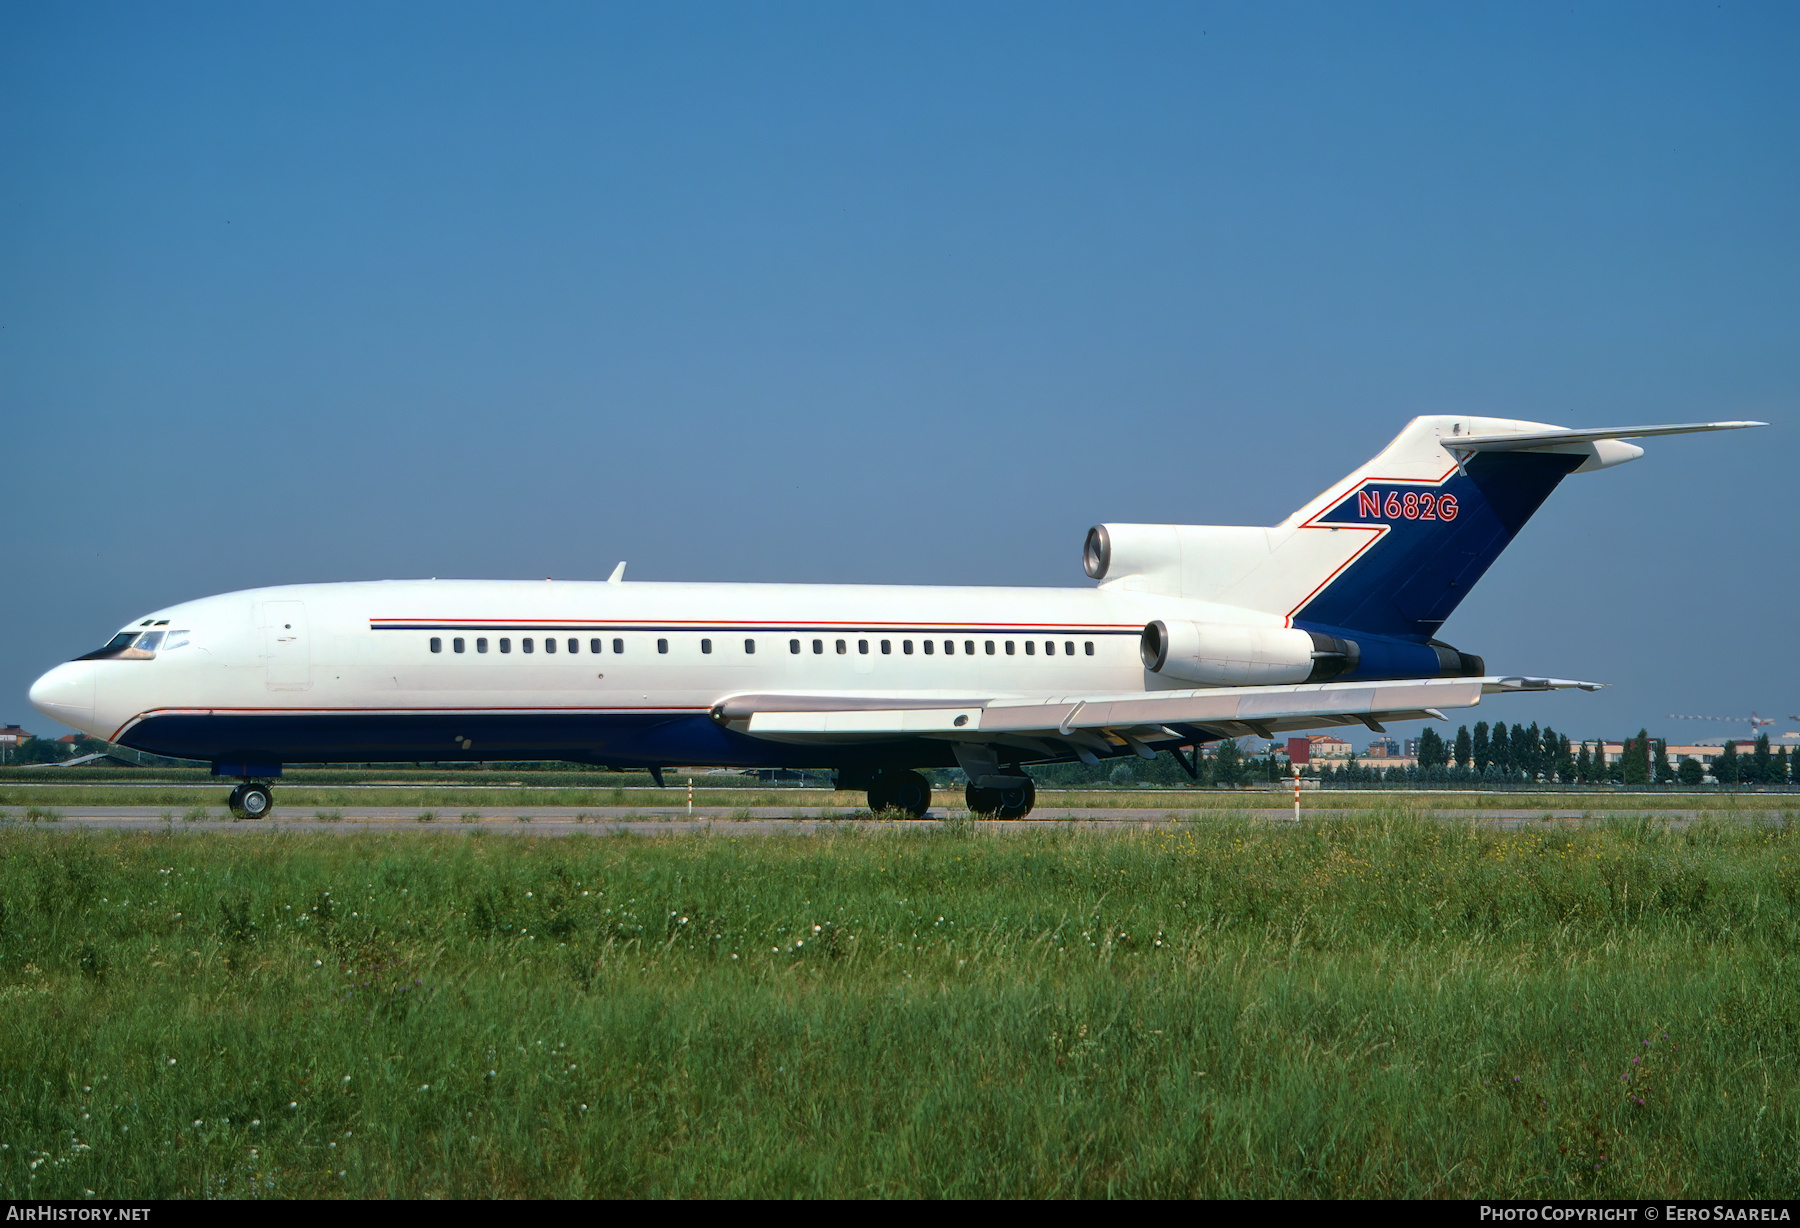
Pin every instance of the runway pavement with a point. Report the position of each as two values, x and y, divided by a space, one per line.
765 820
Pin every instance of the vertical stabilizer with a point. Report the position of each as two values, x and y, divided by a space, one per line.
1393 548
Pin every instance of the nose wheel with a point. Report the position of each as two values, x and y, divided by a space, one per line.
1011 803
906 791
251 801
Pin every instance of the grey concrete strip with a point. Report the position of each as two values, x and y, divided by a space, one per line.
767 820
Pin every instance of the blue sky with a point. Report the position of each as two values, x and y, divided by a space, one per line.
903 293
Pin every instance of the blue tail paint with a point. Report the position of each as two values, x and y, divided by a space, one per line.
1438 539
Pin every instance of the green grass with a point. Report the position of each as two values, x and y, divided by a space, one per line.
1381 1006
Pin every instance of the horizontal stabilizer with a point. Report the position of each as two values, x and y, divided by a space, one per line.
1550 438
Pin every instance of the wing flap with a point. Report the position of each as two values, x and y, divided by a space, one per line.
869 721
1232 705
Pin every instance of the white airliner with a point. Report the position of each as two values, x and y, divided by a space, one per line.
1192 634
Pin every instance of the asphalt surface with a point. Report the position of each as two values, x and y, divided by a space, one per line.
765 820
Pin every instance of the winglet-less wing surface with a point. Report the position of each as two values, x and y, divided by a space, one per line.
1086 720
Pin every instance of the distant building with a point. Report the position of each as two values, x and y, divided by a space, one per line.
1791 740
1383 748
1615 751
12 735
1411 748
1329 746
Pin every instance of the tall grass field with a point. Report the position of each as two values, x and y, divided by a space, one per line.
1384 1006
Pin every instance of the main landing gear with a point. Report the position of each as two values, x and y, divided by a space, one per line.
906 791
1013 802
251 801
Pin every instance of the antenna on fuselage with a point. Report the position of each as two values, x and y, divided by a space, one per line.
618 575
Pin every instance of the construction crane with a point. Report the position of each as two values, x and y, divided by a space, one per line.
1753 720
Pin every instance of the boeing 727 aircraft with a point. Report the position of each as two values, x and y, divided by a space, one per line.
1191 634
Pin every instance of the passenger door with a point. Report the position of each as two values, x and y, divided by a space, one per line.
285 650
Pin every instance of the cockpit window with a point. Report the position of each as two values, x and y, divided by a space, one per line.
175 639
133 645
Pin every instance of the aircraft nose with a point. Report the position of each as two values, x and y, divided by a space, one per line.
66 694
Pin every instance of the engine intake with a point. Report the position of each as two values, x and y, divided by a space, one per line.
1096 553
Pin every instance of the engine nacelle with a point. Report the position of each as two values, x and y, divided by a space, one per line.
1148 550
1225 654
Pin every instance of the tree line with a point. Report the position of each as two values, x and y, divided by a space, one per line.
1486 755
1524 754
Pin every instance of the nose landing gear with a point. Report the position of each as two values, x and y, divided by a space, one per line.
251 801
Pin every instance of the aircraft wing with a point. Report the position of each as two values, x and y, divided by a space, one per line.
1084 724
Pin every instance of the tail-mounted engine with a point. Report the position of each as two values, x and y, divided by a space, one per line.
1224 654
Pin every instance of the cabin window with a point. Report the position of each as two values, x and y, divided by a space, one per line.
618 645
437 645
549 644
1030 647
969 647
842 648
928 648
456 645
887 647
1009 648
574 644
1090 648
706 646
662 645
990 648
525 644
594 646
818 647
749 648
1049 648
1068 648
794 646
906 647
505 644
481 644
862 646
949 648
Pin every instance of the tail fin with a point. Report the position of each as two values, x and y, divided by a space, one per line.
1393 548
